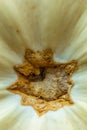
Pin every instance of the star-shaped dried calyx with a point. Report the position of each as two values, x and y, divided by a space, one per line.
42 82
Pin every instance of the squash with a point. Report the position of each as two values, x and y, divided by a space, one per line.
38 40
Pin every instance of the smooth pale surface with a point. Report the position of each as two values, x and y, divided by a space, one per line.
39 24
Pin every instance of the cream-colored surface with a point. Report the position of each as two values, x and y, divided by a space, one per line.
39 24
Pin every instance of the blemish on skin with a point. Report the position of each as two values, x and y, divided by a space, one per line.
42 82
17 30
33 7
